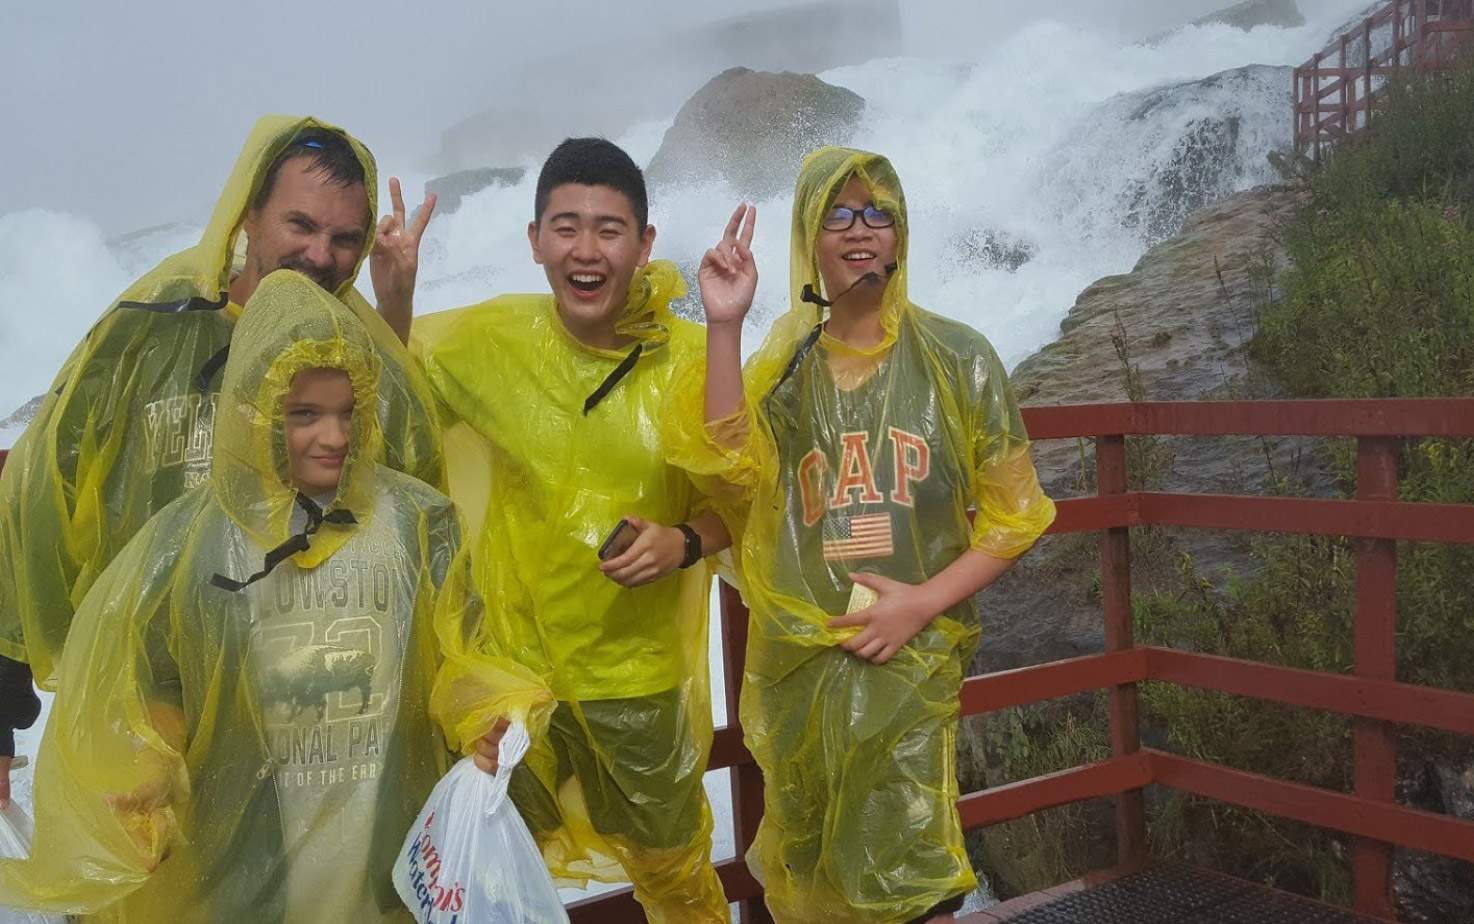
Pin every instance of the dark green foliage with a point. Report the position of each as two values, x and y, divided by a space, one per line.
1378 302
1296 612
1058 845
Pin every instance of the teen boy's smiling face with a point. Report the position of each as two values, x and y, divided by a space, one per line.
845 257
589 243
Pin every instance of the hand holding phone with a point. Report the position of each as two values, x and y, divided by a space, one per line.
620 538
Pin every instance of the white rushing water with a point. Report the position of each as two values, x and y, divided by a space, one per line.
1058 140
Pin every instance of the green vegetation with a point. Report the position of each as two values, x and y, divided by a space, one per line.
1062 843
1378 301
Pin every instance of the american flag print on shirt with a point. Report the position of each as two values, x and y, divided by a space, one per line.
866 536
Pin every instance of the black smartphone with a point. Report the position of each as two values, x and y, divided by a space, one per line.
619 539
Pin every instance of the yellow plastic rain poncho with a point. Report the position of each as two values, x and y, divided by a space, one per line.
245 731
614 792
125 428
860 461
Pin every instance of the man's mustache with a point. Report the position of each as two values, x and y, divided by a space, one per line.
323 276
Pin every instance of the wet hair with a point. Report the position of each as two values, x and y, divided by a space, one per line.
330 153
592 162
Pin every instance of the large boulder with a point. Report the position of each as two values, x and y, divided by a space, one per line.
1253 13
752 129
454 187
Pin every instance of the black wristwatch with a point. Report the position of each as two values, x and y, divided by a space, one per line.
693 545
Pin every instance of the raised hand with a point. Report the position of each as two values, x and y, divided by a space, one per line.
395 260
728 274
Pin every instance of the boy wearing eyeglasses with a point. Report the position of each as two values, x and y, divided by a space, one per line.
858 438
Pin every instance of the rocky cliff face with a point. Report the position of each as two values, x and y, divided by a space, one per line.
1183 316
1180 321
1151 158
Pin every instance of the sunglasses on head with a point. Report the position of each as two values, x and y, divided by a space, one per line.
842 218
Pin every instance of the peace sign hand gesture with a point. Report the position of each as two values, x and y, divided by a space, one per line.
395 260
728 274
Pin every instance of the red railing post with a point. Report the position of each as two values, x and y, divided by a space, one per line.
1366 85
1420 17
1397 21
1374 760
747 779
1297 90
1115 561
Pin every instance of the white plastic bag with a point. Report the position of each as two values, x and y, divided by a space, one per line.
15 844
470 859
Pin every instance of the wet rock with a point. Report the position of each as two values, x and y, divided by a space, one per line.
752 128
1182 318
139 251
1251 13
454 187
1175 149
1184 315
1186 311
22 415
993 249
1430 889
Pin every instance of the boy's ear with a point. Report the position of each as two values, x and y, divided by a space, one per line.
537 254
647 244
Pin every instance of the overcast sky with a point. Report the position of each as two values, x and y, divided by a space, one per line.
132 113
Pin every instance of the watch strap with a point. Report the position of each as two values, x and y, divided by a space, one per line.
693 545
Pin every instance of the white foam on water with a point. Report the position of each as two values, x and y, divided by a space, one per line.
1025 143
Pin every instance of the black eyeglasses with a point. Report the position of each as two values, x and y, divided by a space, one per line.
841 218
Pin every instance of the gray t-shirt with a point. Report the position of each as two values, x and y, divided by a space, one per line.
328 651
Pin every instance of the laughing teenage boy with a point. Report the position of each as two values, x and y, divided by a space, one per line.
563 393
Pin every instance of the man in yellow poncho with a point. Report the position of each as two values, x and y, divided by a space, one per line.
244 733
562 395
851 450
126 426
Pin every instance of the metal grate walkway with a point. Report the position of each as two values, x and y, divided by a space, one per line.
1172 894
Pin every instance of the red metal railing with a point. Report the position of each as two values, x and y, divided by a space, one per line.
1336 90
1370 693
